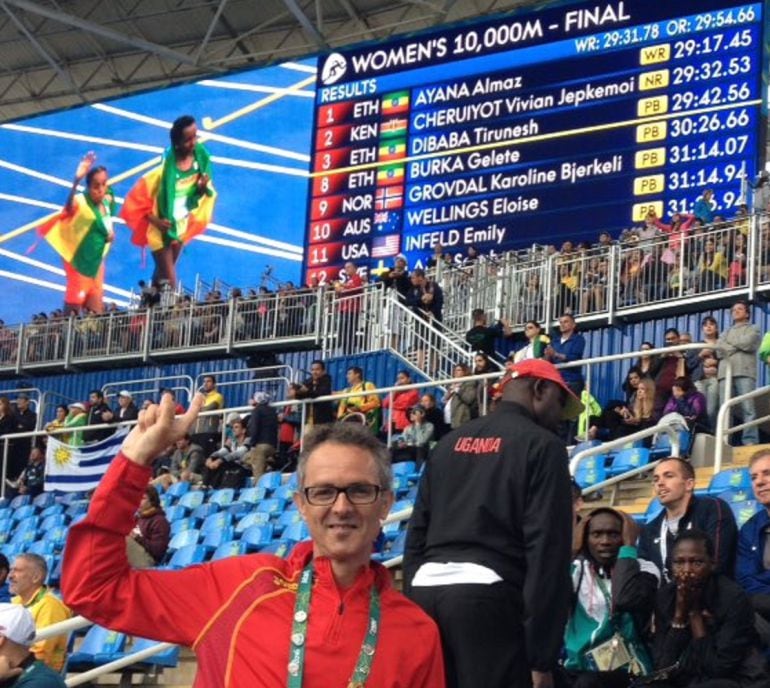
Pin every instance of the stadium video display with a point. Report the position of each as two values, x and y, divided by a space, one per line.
255 124
533 128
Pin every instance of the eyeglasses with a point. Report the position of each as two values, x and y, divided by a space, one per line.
357 493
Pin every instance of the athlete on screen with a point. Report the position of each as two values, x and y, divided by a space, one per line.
172 203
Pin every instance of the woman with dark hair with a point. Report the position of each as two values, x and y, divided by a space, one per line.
704 624
173 203
7 417
633 378
461 400
614 591
537 341
81 234
147 543
689 403
648 365
58 421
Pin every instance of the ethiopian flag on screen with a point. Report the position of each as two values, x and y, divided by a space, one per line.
393 150
79 235
390 174
395 103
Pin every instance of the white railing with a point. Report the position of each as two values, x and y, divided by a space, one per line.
724 430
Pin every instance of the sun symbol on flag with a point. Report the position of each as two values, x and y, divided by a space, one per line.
62 456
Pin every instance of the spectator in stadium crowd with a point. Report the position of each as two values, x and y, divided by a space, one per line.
742 343
485 389
18 666
403 401
58 422
537 342
27 584
434 415
25 420
425 297
647 364
207 431
178 408
567 348
482 336
614 591
226 466
147 543
705 373
633 378
703 209
32 479
414 442
689 403
461 402
348 307
99 412
263 434
673 483
704 625
619 420
691 359
367 405
752 569
76 418
289 425
397 277
5 569
187 461
670 367
126 407
8 426
319 384
493 567
439 258
344 490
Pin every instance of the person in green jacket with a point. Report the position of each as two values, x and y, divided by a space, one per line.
18 666
613 596
76 418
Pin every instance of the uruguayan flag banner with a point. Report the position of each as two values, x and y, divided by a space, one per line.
74 469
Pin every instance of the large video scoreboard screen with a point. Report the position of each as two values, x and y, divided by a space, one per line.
536 127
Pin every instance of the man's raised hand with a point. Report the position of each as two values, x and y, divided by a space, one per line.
157 428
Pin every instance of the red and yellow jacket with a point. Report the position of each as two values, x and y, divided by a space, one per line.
236 613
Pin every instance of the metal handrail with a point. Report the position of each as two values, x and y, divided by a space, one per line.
118 664
724 415
603 448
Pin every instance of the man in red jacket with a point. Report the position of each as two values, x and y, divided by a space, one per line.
325 617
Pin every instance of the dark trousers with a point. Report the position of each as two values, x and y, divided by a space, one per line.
482 634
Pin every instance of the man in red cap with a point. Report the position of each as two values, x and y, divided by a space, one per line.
489 544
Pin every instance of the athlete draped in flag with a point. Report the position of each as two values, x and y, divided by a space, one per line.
172 203
81 234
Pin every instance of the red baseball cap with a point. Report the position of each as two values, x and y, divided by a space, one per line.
545 370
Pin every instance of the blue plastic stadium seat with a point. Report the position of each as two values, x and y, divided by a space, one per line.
214 538
586 477
24 512
271 506
20 501
54 574
57 536
71 497
279 548
257 536
53 521
730 479
251 495
183 538
396 548
29 523
270 481
181 524
582 446
400 485
628 459
591 462
174 513
653 509
296 531
736 495
76 508
216 521
178 489
284 492
77 519
190 500
232 548
203 511
99 646
223 497
743 511
411 495
255 518
286 519
293 480
52 510
41 547
239 509
168 659
44 500
187 556
405 468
